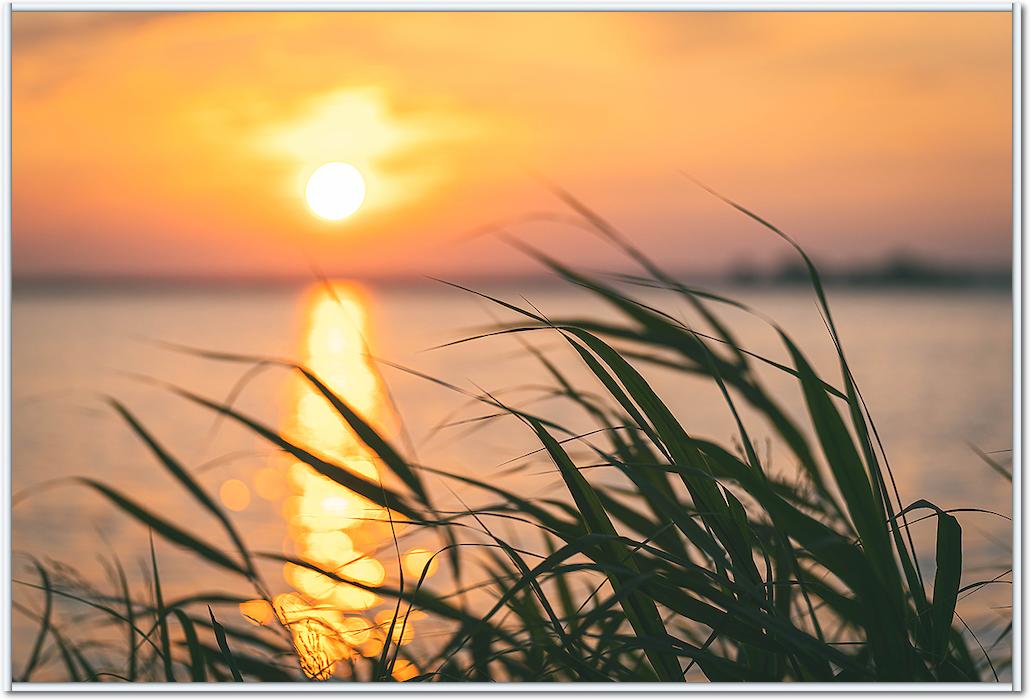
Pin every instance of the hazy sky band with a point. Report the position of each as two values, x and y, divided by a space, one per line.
178 144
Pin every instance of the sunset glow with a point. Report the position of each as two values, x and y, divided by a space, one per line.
862 133
496 347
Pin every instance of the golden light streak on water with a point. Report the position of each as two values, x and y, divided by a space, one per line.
329 526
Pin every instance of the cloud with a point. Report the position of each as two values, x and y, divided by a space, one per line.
32 30
860 131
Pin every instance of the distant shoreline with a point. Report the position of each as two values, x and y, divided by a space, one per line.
897 272
65 286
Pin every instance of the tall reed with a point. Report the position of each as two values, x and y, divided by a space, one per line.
701 564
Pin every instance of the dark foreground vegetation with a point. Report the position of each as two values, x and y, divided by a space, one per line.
699 564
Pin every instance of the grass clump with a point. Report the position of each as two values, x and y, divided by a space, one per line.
700 564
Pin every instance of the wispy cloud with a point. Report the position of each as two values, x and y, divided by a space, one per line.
179 142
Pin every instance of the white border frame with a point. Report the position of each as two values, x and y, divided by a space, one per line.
359 690
515 6
1017 348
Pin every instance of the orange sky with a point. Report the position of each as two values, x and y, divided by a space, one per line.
179 144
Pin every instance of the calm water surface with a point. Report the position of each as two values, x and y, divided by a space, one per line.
935 368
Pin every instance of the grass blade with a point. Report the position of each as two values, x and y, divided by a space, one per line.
44 624
223 646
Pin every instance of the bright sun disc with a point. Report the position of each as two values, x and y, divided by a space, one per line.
335 191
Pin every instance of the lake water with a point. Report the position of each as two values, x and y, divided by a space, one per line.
935 368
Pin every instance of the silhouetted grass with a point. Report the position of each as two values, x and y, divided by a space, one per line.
700 565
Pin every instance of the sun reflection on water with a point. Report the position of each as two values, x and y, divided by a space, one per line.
328 525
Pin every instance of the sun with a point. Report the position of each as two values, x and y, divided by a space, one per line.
335 191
